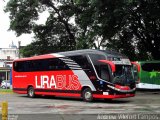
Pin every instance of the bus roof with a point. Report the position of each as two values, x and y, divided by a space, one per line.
75 52
92 51
149 61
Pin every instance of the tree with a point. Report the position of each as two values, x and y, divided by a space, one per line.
145 23
57 32
129 26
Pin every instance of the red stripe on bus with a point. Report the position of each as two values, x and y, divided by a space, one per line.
20 92
37 57
113 96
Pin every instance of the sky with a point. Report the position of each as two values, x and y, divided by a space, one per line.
6 37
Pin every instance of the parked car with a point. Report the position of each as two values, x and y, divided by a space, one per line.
5 84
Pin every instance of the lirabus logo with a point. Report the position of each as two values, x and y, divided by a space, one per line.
67 82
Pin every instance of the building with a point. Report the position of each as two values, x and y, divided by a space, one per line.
7 55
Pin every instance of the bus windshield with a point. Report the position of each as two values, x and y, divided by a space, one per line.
123 75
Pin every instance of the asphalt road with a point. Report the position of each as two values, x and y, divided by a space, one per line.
22 107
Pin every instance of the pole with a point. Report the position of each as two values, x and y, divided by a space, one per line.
19 44
4 110
6 80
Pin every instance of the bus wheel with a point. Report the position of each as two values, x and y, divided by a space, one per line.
30 92
87 95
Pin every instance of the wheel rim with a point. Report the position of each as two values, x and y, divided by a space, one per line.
31 92
88 95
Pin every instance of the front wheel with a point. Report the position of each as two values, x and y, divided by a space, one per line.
30 92
87 95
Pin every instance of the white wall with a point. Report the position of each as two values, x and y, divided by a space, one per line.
2 64
12 52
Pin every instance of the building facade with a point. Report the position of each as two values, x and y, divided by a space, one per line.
7 55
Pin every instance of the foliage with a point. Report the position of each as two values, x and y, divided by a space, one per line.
56 34
131 27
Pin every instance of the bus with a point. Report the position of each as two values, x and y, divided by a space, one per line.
87 74
147 74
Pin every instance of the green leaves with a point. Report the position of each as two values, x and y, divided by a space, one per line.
129 26
22 15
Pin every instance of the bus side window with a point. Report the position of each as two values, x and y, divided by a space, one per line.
85 64
57 64
82 61
18 66
151 67
104 72
15 66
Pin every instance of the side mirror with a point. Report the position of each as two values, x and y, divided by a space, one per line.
137 66
110 63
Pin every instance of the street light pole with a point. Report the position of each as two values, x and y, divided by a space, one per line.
19 44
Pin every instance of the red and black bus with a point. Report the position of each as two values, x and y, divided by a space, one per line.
82 73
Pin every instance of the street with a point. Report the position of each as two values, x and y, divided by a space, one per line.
143 102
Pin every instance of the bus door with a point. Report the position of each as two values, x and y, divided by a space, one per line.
105 71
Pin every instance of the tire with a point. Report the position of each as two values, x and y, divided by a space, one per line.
31 92
87 95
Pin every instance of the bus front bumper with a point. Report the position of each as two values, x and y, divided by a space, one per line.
114 92
113 96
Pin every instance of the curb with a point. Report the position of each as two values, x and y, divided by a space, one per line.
6 93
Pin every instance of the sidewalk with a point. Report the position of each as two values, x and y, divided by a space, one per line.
6 91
